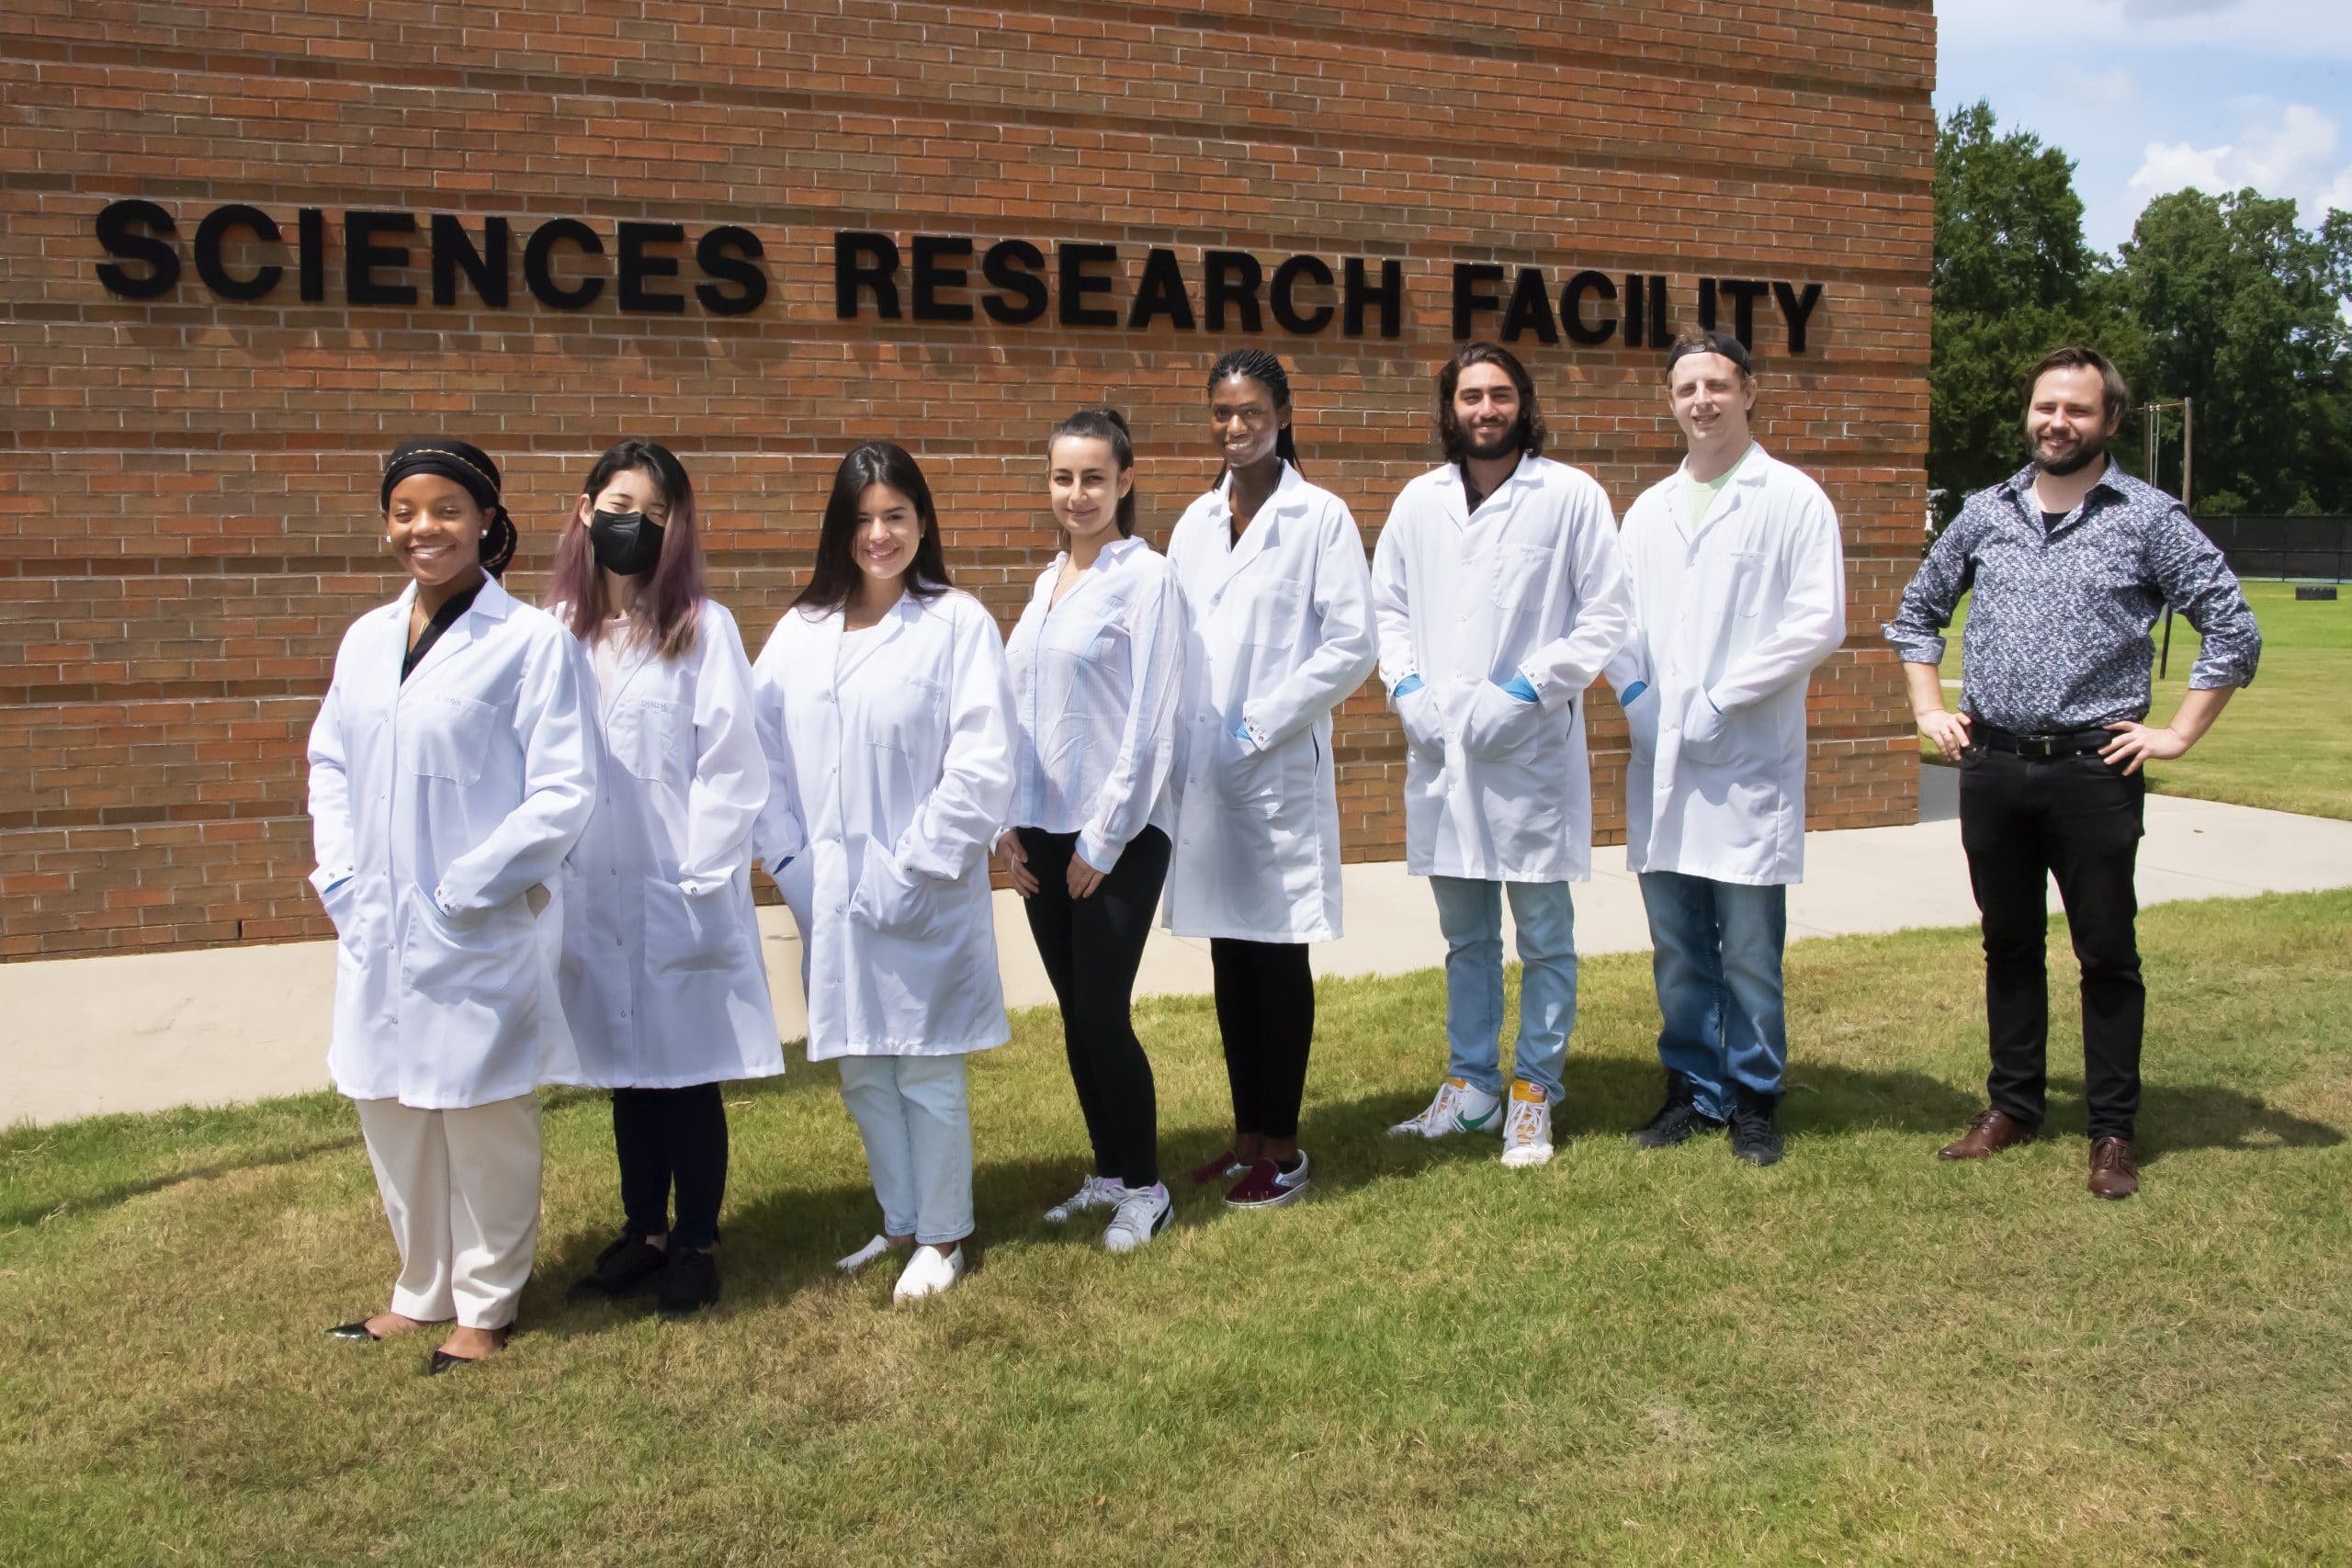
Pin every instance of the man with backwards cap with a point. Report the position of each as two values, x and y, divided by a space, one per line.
1739 590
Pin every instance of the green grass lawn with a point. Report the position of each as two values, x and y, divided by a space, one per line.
2275 745
1860 1355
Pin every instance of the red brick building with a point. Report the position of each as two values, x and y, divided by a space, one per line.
193 439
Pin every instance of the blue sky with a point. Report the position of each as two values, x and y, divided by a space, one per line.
2150 95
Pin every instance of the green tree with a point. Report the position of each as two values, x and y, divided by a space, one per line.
2013 279
2242 310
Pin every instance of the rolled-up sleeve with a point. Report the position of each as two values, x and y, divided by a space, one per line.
1916 633
2195 580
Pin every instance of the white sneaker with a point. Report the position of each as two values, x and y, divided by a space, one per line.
1142 1213
1458 1107
864 1255
1527 1133
1094 1192
929 1273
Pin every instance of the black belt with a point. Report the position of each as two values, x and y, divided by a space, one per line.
2061 744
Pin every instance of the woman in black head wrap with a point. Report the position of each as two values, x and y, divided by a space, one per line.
450 772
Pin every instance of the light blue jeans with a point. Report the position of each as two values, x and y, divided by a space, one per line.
1470 913
1715 955
915 1114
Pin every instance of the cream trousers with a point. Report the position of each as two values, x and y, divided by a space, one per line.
462 1188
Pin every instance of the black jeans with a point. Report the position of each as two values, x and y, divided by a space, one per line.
1265 1010
1091 948
666 1136
2023 820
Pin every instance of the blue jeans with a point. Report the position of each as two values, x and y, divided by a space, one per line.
1715 953
1470 913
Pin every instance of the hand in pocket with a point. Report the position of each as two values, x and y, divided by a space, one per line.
889 899
1424 722
1498 725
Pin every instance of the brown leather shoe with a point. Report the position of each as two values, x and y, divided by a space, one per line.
1989 1133
2112 1173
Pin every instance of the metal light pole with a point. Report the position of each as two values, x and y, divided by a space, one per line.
2187 407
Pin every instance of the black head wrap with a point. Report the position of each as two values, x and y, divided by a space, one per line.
470 466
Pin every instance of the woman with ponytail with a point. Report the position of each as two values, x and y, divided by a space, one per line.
1280 600
661 978
1097 667
451 769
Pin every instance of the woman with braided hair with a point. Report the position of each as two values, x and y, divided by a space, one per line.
1281 633
451 769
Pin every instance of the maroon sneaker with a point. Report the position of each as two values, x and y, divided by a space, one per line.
1266 1185
1222 1169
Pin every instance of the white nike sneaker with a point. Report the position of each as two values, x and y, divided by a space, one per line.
1458 1107
1142 1213
929 1273
1527 1133
1094 1192
864 1255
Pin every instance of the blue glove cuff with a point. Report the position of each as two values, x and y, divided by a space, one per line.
1241 731
1631 693
1410 683
1520 686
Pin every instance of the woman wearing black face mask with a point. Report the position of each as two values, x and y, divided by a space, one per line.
661 979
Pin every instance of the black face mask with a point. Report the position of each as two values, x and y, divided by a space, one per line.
626 543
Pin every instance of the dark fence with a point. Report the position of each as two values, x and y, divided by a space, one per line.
2309 547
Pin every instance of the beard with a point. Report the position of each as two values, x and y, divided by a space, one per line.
1460 444
2086 452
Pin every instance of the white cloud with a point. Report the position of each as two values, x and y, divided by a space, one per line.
2113 89
2305 28
2292 155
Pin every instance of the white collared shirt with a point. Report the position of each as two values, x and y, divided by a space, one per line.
1095 684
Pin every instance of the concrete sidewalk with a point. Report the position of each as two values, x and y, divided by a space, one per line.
149 1031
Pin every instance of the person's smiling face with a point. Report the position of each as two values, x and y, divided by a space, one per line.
436 527
888 529
1087 485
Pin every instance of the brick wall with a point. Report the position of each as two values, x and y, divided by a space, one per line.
187 499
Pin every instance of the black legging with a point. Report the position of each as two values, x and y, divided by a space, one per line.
1265 1010
1091 948
672 1135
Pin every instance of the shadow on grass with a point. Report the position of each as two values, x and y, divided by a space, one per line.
82 1204
2178 1118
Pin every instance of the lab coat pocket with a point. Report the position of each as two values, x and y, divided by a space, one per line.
1498 726
1641 723
359 908
1521 575
893 900
442 736
689 932
1247 776
646 734
1424 721
484 963
1750 574
1271 613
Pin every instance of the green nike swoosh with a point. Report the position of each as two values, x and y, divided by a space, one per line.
1468 1125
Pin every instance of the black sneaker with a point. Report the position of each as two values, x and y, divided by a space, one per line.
1678 1120
689 1281
627 1267
1753 1136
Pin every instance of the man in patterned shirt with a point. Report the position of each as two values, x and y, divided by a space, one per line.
2071 559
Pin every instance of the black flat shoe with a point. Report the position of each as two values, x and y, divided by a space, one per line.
689 1282
358 1333
443 1361
629 1265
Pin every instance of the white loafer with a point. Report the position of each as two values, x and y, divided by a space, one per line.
929 1273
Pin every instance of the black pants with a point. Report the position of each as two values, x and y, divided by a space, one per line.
1091 948
2078 820
1265 1010
666 1136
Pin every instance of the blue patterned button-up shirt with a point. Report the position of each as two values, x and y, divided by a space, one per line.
2057 636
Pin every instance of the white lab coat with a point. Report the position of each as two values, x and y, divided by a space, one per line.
890 765
438 806
1095 685
1279 633
1730 618
1495 788
661 977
